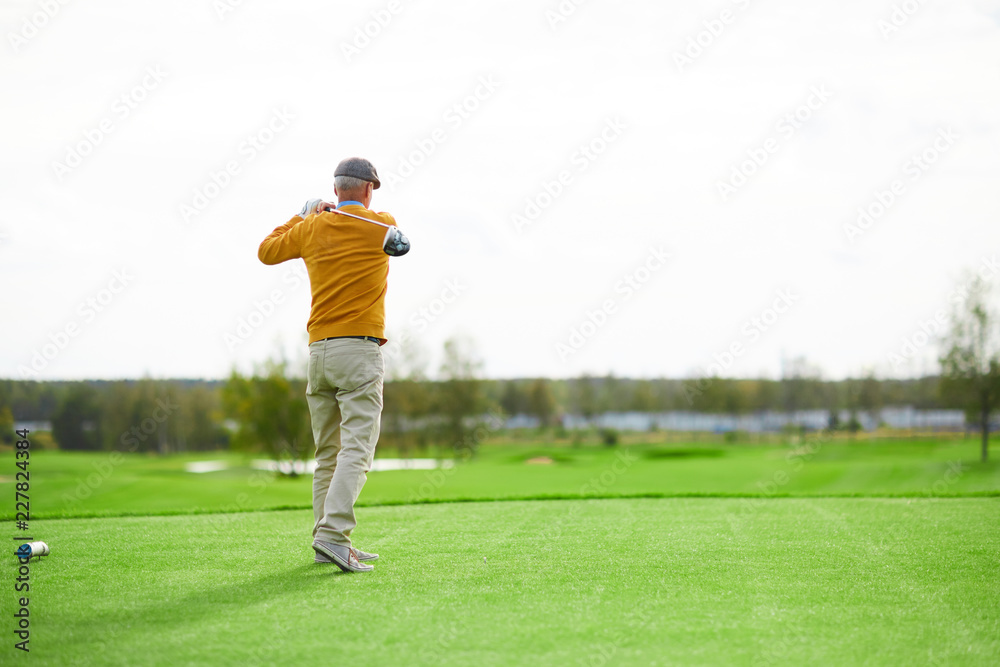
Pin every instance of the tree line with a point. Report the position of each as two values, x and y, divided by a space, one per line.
267 410
270 405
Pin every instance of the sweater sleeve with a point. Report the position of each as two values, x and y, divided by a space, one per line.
283 244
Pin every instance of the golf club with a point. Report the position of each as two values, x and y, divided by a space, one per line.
395 244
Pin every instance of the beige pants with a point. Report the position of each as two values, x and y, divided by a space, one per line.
345 402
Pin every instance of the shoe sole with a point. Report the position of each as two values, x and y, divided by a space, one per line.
321 558
346 567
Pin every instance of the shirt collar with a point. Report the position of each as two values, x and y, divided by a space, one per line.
350 202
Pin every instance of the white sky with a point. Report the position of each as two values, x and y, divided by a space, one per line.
676 133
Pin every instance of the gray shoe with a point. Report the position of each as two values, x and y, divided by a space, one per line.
361 555
344 557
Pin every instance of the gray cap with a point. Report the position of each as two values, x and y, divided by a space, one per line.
358 167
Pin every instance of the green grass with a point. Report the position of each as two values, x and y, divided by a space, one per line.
873 553
682 581
95 484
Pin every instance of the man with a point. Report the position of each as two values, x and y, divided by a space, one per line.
348 272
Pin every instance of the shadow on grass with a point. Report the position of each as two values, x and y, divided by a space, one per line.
307 582
679 453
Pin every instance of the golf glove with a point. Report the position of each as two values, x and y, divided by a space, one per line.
312 207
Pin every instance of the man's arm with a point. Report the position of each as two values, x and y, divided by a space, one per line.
285 242
282 244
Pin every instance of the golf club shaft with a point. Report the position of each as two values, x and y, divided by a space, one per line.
374 222
395 244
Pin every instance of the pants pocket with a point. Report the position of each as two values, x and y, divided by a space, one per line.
313 370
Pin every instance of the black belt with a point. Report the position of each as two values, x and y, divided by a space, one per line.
371 338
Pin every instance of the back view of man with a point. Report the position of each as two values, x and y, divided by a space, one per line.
348 275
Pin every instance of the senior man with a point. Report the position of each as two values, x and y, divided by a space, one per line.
348 264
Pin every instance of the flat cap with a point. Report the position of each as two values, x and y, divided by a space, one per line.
358 167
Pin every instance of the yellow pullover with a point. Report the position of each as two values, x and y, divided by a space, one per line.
348 271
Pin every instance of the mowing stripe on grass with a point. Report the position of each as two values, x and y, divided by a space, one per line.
108 514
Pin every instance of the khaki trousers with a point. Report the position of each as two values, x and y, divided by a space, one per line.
344 393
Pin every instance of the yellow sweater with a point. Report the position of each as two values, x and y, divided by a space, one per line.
348 271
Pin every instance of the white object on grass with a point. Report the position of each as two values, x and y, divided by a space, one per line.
31 550
205 466
379 465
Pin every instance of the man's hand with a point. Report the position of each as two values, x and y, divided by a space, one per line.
314 206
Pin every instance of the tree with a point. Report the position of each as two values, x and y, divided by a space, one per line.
870 397
611 397
271 412
199 420
406 398
766 395
6 425
127 415
970 364
460 394
801 385
710 395
77 417
541 402
737 398
514 400
584 397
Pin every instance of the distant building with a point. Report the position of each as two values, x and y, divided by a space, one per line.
33 426
761 422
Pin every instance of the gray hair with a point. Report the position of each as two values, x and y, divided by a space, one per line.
349 183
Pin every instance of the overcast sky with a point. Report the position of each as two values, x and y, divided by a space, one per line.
637 188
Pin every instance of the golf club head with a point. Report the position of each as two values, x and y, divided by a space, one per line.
395 243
